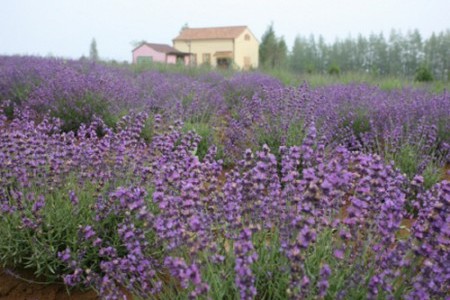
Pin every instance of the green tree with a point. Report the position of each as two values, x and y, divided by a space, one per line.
273 50
378 54
423 74
399 55
298 59
395 53
135 43
414 55
185 26
281 54
93 53
361 53
323 54
267 47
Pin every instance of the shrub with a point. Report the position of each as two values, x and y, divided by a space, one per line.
423 74
334 69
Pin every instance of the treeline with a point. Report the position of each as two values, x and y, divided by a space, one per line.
397 54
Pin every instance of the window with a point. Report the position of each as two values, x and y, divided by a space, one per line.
180 60
223 63
144 59
247 37
206 58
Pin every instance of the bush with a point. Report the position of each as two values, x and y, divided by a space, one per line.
334 70
424 74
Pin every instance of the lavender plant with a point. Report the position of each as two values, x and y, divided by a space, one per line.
326 193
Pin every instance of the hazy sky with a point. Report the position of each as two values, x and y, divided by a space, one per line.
65 28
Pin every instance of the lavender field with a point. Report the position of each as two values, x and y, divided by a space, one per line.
176 186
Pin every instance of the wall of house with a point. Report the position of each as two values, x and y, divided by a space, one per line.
246 54
171 59
201 47
147 51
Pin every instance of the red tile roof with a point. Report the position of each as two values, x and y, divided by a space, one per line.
210 33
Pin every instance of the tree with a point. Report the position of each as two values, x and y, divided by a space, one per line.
298 58
280 54
185 26
273 50
400 55
93 53
396 53
267 47
423 74
414 55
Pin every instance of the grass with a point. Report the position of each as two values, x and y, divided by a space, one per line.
291 78
205 131
386 82
59 228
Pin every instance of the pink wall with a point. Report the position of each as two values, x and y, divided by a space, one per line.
147 51
171 59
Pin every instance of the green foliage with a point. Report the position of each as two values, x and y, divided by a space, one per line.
361 123
272 50
397 55
296 133
389 82
423 74
431 175
358 120
148 130
19 92
83 110
407 160
271 138
8 110
205 132
37 250
443 133
334 69
271 281
93 52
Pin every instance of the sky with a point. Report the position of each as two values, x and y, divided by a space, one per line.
66 28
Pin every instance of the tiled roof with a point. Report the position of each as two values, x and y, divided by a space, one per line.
163 48
230 32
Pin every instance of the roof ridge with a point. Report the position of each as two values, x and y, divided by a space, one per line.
214 27
164 48
222 32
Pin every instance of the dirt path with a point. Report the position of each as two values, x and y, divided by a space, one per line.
13 288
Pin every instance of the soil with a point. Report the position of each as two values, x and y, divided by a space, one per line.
446 172
23 288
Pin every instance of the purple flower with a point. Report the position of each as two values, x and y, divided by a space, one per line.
88 232
338 253
73 198
323 284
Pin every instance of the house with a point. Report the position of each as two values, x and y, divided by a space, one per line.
234 46
150 52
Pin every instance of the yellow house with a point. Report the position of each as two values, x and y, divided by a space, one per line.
234 46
